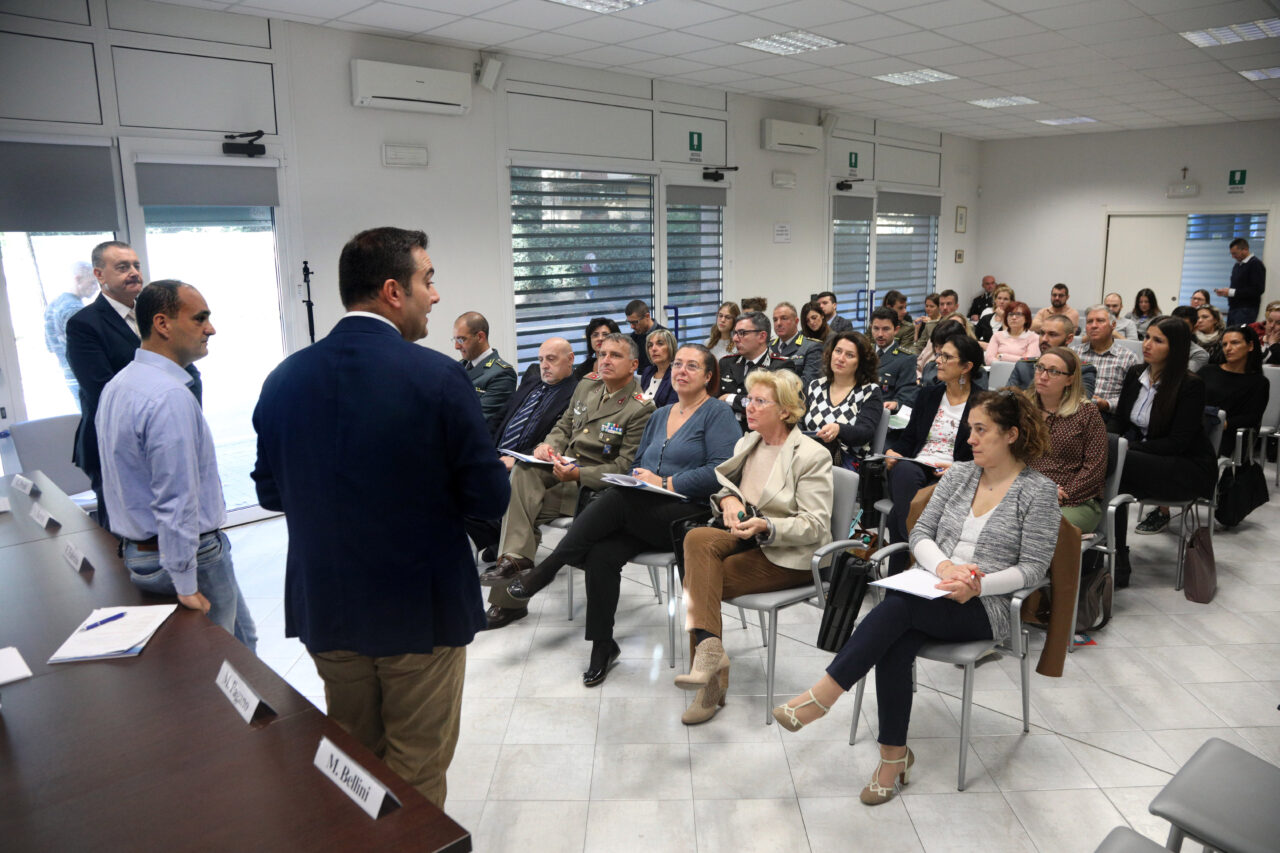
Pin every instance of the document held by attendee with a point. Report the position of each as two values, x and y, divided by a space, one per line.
113 632
916 581
636 483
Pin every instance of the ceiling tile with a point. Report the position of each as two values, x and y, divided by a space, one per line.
761 84
284 16
806 14
996 28
1083 14
774 65
474 30
395 17
366 28
1158 7
716 76
615 55
1066 56
1165 44
316 8
874 67
551 43
949 13
742 5
736 28
819 76
843 55
667 65
674 14
864 29
1134 28
1219 15
910 43
672 43
536 14
454 7
1022 45
609 29
948 56
985 66
729 54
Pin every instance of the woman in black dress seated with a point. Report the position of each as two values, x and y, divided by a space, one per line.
595 333
1237 386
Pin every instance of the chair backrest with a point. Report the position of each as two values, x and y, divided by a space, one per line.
1215 431
1117 449
999 374
45 445
844 501
1133 346
882 433
1271 416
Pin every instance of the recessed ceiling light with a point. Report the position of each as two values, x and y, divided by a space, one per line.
992 103
785 44
1252 31
1056 122
913 78
1261 74
604 7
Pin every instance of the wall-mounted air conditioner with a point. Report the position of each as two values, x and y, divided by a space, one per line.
408 87
790 136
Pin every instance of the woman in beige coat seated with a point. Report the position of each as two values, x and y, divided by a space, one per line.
774 511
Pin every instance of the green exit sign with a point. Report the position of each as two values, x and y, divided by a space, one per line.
1236 177
695 140
853 159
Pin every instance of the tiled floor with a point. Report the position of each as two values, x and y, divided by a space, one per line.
544 764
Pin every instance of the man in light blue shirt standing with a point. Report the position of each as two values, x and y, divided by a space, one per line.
160 474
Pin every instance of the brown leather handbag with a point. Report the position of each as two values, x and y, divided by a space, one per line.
1200 570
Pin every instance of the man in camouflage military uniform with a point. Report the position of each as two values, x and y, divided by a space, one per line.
493 378
601 431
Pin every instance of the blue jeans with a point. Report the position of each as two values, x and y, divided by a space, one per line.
215 579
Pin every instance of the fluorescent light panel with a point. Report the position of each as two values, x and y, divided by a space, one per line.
604 7
915 78
1261 74
1013 101
1058 122
785 44
1268 28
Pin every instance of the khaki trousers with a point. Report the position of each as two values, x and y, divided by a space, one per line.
536 498
711 575
405 708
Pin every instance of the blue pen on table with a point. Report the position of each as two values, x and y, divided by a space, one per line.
103 621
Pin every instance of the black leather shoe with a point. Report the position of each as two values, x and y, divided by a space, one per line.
505 569
490 554
500 617
529 584
603 656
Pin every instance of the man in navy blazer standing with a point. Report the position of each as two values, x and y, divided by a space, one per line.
1248 281
101 340
376 449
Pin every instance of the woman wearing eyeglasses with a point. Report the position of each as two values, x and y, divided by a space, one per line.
1015 341
1076 458
774 507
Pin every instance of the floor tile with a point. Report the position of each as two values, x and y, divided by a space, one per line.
841 824
1164 706
555 827
968 821
1242 703
1133 803
1265 741
642 719
542 772
1259 661
1030 763
1065 821
1181 744
747 826
1082 710
641 771
559 720
1194 664
1121 759
640 826
471 771
740 771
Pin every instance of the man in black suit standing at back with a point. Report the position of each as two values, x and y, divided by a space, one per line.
101 340
1248 280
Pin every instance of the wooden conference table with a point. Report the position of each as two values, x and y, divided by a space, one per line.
145 752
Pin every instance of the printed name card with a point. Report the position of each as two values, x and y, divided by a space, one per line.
24 485
243 698
41 516
354 780
75 557
4 504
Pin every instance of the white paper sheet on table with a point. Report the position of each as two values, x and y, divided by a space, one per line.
12 666
533 460
122 638
916 581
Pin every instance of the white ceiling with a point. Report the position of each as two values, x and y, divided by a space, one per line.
1121 62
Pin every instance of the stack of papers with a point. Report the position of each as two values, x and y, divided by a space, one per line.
525 457
12 666
123 636
916 581
636 483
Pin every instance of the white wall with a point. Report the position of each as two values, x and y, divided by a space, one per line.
960 164
1045 202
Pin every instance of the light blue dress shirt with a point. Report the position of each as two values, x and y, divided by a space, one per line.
159 471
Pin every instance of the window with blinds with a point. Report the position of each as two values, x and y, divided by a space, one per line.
1206 261
851 256
582 247
695 260
907 246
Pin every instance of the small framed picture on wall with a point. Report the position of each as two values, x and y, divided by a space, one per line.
962 219
959 256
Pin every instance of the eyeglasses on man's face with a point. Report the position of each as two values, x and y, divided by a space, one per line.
742 333
1052 371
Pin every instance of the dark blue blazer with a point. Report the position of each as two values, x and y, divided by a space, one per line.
552 407
665 395
1249 280
912 438
375 449
99 345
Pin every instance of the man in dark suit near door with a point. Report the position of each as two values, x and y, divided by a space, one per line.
1248 281
101 340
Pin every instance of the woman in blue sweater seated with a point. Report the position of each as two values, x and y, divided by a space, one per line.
679 451
983 534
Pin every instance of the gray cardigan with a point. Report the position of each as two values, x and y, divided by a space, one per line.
1022 533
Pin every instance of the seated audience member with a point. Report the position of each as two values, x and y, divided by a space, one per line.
755 303
844 406
721 341
751 335
1057 305
1209 328
949 303
597 330
1111 360
924 361
679 451
815 323
1145 309
600 431
992 320
655 380
936 436
642 323
1016 341
493 378
1124 327
1076 455
1237 386
906 335
1055 332
530 414
774 508
897 367
1198 356
984 534
1271 334
1161 413
949 326
926 322
982 303
789 343
1199 298
826 300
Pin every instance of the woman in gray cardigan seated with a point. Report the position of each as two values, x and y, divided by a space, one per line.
983 533
773 512
681 446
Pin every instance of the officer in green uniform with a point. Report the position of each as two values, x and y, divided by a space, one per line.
601 431
493 378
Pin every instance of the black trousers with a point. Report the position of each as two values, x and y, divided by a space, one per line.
904 480
1148 475
608 532
889 637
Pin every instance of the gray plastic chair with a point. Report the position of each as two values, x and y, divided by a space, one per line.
564 522
1134 347
1269 430
1122 839
46 445
998 374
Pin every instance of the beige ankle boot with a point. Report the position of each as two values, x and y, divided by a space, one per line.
708 700
709 659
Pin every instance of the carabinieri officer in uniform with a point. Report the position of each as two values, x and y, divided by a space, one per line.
493 378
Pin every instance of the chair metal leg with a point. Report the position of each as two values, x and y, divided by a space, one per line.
671 611
769 667
1026 682
857 708
764 631
742 617
966 707
1175 839
657 587
569 615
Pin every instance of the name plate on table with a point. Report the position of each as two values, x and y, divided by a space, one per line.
243 698
24 485
75 557
41 516
4 504
356 782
